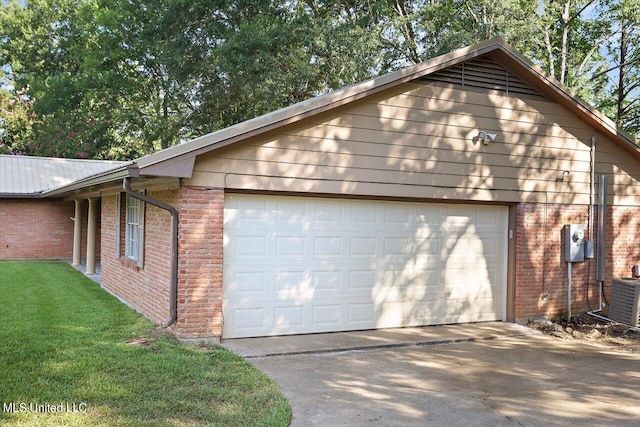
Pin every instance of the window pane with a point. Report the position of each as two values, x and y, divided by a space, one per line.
132 237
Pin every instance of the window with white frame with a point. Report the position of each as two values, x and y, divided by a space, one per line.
133 229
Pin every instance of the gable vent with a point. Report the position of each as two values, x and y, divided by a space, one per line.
483 74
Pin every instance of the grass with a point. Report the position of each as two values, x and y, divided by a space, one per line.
64 340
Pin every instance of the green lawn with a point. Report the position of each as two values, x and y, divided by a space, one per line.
64 340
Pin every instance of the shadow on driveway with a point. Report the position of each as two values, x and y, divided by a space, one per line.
497 380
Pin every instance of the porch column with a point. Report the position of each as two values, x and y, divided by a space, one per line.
77 233
91 236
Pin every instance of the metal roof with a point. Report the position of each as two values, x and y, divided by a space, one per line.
25 176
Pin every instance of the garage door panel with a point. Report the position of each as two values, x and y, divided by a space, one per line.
247 319
326 315
246 282
361 313
289 318
249 246
362 247
319 265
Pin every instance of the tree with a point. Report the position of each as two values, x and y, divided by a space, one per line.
123 78
623 69
268 55
17 119
43 47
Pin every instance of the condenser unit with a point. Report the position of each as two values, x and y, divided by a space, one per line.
625 297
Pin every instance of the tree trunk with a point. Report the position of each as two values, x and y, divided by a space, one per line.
164 140
547 42
564 48
408 31
620 113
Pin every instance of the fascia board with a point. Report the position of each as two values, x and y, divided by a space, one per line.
102 178
560 93
310 107
37 195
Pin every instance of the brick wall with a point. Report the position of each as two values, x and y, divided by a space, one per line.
200 261
145 289
35 229
40 229
541 272
623 241
200 266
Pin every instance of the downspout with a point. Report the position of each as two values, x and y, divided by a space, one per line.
592 190
173 284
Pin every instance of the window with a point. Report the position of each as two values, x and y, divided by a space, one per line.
132 232
131 226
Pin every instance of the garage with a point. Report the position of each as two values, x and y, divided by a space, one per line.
295 265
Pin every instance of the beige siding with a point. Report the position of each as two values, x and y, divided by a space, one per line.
417 141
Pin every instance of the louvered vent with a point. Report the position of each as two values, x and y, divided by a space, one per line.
625 301
483 73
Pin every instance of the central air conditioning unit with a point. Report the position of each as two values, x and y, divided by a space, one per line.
625 301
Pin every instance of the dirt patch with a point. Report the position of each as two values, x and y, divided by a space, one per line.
593 331
146 340
140 341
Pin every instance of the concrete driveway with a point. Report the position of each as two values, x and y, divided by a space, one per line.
490 374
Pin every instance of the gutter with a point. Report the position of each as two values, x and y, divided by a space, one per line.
96 179
99 178
36 195
173 284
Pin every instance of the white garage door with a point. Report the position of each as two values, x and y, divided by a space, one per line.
299 265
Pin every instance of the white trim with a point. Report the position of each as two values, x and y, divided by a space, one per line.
132 228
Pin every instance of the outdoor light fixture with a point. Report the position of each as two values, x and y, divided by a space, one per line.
485 137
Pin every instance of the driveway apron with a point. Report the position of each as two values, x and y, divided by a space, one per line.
493 374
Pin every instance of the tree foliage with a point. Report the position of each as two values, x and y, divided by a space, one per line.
122 78
16 122
623 70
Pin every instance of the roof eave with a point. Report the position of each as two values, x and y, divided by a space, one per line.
560 93
164 162
37 195
178 161
97 179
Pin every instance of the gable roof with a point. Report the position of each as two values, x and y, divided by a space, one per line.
178 161
41 177
25 176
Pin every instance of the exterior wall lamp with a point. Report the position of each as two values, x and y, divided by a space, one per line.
485 137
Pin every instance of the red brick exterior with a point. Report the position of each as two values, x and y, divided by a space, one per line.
39 229
541 271
200 261
145 289
623 241
200 266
